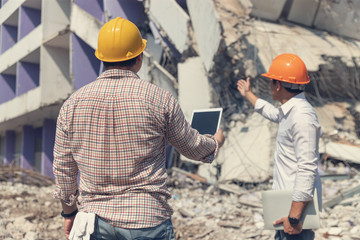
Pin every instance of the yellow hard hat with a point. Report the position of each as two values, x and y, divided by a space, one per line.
119 40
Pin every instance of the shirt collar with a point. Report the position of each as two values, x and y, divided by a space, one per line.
111 73
286 107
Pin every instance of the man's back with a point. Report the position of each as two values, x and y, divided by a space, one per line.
114 129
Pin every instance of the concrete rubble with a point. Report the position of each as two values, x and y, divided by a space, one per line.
239 38
201 211
198 50
227 44
167 14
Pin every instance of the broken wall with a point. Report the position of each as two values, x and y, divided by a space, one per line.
338 17
200 49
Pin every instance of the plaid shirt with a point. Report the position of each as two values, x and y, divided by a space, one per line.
113 132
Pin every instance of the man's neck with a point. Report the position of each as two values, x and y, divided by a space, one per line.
120 68
286 96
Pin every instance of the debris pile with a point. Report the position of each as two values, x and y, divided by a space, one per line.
17 174
225 41
201 211
214 44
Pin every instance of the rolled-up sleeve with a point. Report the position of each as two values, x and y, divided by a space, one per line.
187 140
306 135
64 167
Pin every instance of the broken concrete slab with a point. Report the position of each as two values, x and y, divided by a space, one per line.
207 29
229 12
343 151
209 172
153 72
163 41
154 47
303 11
172 19
246 5
334 118
194 83
339 17
343 195
194 86
309 44
246 155
270 9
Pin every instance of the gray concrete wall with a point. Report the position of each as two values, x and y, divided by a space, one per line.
339 17
303 11
172 19
207 28
269 9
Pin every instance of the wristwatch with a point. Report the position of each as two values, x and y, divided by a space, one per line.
293 221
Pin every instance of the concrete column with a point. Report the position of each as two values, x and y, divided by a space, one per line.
48 137
28 148
9 147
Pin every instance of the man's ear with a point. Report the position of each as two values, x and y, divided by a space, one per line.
278 86
140 57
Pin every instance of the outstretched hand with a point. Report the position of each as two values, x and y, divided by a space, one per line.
243 86
245 90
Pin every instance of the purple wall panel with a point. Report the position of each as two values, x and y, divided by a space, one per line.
8 37
131 10
182 3
96 8
29 19
38 148
48 136
9 147
28 148
84 63
7 87
27 77
3 2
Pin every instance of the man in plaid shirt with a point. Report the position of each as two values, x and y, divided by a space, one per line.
113 132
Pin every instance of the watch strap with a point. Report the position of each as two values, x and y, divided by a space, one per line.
67 215
293 221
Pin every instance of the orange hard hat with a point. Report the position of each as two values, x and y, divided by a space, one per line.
119 40
288 68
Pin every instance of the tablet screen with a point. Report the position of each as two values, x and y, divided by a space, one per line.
206 121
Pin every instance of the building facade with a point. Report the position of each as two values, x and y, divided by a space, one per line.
46 53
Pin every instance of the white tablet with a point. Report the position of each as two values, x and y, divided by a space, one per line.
206 121
277 204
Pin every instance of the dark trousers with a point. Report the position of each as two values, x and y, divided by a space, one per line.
306 234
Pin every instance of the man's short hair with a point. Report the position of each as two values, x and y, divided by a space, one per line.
128 63
291 90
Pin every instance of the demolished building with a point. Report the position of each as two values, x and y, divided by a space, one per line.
197 50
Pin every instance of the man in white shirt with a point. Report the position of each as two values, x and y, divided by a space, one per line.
297 143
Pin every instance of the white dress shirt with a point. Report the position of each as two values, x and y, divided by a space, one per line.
297 146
